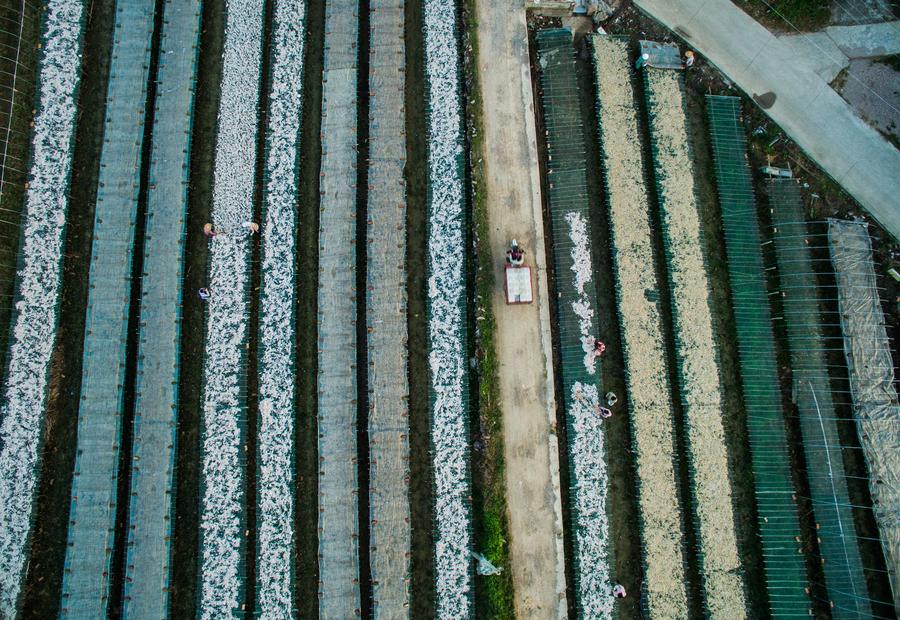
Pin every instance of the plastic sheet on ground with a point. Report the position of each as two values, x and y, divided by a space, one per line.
868 354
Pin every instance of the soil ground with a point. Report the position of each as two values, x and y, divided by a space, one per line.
862 11
789 15
521 336
306 517
422 593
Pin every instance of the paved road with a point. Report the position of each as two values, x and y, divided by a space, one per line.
522 336
808 110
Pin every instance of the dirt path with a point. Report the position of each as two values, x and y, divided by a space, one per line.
523 332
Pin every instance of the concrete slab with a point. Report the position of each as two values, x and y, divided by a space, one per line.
873 89
860 11
820 54
829 51
866 41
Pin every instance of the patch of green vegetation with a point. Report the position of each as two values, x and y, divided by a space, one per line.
493 593
840 79
805 15
892 61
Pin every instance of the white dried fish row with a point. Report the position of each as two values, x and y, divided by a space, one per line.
38 284
222 502
446 320
277 372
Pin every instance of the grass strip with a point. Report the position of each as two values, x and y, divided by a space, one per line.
493 593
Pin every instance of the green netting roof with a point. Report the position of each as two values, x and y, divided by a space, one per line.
92 512
778 521
844 577
151 503
568 194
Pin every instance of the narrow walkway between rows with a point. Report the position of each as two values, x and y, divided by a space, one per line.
389 512
92 512
150 518
339 593
522 332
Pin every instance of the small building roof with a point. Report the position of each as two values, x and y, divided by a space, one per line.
662 55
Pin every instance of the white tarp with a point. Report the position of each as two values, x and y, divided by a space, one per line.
871 369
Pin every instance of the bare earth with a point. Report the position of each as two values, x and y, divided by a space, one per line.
523 332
